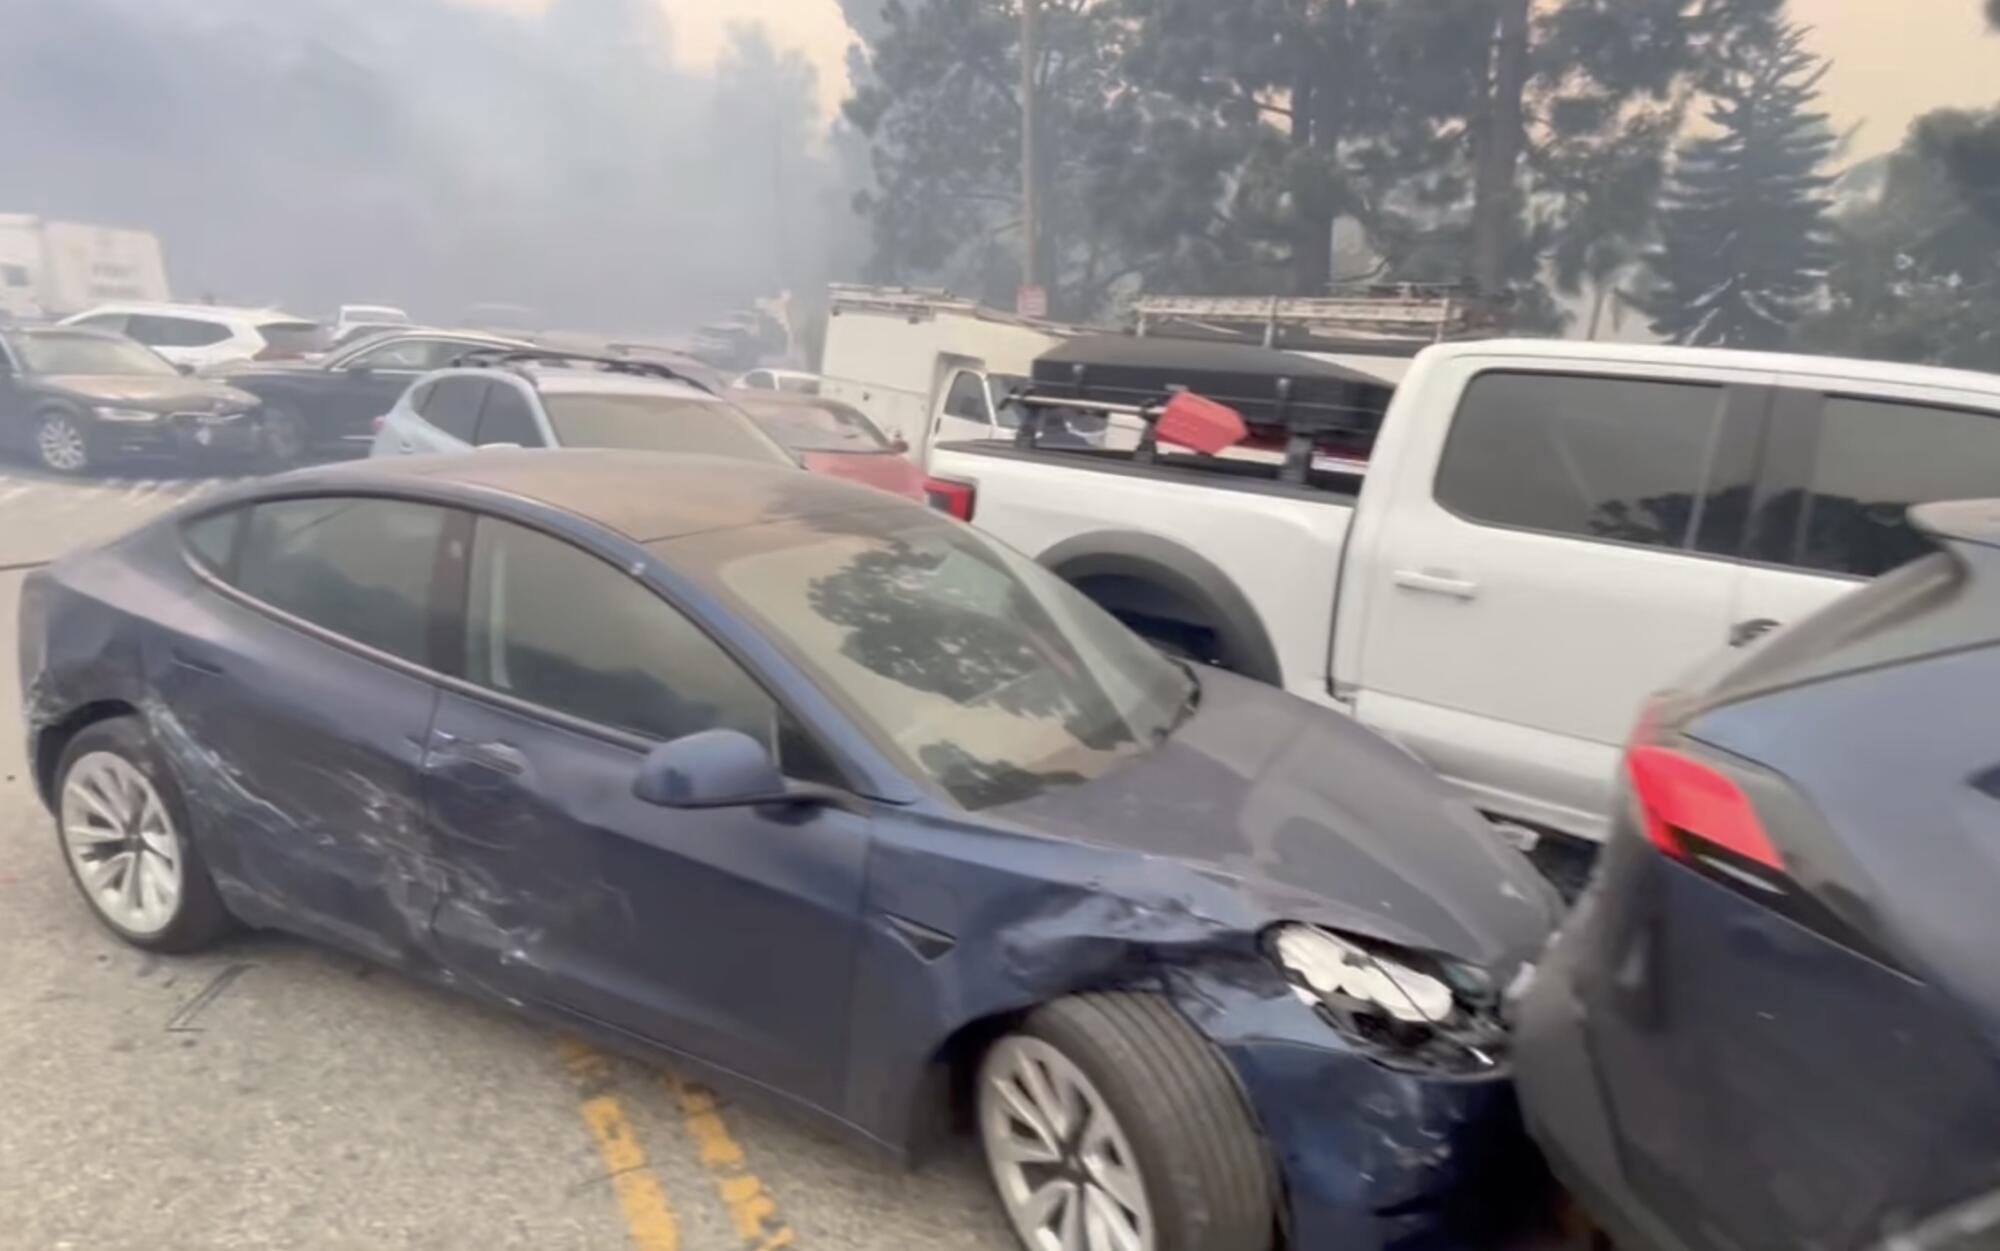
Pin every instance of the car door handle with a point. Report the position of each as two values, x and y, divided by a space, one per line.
1436 584
188 660
497 756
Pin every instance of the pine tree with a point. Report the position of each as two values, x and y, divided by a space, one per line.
1746 229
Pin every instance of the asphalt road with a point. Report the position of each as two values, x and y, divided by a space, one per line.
275 1095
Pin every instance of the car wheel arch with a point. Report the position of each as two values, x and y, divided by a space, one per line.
54 738
1134 573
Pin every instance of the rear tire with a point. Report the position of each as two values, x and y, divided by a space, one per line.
1107 1108
124 833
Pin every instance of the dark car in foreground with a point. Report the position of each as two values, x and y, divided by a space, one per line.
816 791
834 438
75 399
1774 1018
326 408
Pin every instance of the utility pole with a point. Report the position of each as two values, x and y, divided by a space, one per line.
1032 291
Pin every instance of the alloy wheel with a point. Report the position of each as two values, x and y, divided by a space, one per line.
1061 1162
122 843
61 444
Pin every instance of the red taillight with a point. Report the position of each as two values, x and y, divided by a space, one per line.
954 498
375 423
1680 797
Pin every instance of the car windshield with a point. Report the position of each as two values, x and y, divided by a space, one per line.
659 423
90 354
825 426
986 673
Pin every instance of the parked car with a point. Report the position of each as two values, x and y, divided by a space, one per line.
329 407
1774 1019
791 381
820 792
830 437
200 336
75 399
541 399
1498 564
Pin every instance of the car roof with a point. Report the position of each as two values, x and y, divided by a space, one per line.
577 381
203 312
77 332
1843 368
645 496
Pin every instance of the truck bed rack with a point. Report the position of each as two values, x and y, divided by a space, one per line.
1307 406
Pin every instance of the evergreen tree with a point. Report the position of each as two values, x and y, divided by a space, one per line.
1746 229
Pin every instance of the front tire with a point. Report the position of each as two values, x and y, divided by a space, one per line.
62 444
1110 1124
125 837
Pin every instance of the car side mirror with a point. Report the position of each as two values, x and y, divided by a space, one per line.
901 444
712 769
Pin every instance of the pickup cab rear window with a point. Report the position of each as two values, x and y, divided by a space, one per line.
1602 458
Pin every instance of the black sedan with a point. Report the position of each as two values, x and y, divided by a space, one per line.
325 409
1774 1018
75 399
817 791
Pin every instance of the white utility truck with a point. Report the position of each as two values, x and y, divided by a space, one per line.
1499 564
50 269
928 365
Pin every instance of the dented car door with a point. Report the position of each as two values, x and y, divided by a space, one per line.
727 934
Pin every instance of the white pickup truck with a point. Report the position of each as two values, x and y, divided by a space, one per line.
1536 536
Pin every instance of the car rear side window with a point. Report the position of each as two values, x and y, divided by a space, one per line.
1601 458
360 567
1876 458
631 661
454 406
507 418
156 331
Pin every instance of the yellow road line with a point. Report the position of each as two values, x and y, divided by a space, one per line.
649 1219
751 1208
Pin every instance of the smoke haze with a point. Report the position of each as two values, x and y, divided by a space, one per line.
423 152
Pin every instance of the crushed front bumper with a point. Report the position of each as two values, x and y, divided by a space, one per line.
186 436
1371 1158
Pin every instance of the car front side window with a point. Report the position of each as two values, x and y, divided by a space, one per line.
630 661
404 355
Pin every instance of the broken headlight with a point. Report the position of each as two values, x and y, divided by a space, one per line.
1404 1008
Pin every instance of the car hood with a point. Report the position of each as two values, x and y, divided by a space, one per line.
1317 819
162 393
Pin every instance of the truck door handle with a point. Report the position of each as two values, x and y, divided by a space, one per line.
1436 584
1744 633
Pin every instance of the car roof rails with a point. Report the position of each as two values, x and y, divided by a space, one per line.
517 358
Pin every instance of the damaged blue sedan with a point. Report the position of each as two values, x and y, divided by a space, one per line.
814 791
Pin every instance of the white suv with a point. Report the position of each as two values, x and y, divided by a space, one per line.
197 336
559 399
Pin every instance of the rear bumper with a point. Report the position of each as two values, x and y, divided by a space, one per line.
1566 1111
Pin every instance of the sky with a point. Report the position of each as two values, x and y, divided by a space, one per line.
1893 59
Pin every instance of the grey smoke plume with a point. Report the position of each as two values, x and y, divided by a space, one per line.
424 152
